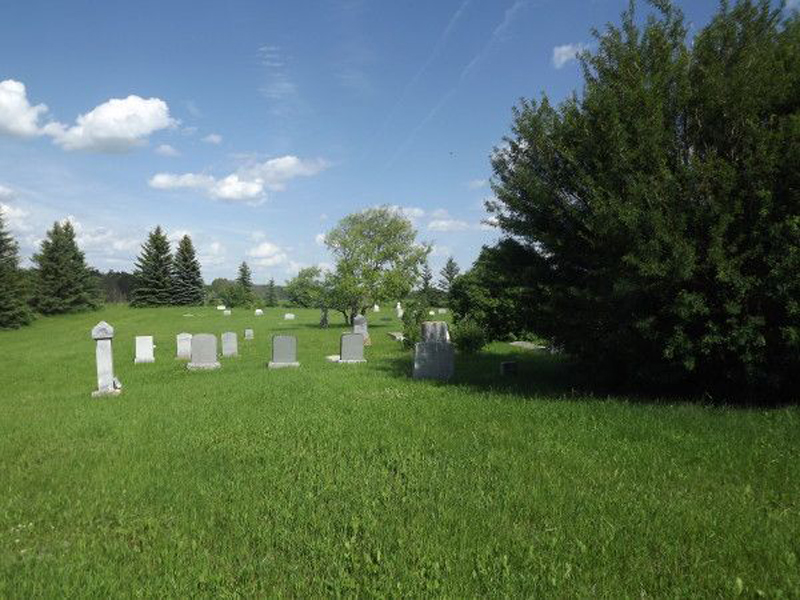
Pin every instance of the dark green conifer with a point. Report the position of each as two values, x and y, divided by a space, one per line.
14 310
188 281
154 272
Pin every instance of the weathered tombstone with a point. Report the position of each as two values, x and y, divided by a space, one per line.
508 368
288 317
431 313
144 349
399 310
204 352
351 348
230 344
376 308
220 307
360 326
259 312
442 311
248 334
227 313
184 343
433 360
435 331
284 352
107 384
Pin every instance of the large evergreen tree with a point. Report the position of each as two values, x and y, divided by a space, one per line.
660 211
272 298
188 286
245 278
14 310
448 275
64 282
154 272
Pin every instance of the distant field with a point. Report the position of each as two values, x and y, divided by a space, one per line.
357 480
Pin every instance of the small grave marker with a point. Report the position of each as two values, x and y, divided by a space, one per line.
184 344
204 352
230 344
284 352
144 349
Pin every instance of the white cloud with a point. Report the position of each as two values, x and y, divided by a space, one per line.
248 183
7 193
166 150
441 250
117 125
212 254
267 254
17 116
477 184
176 235
448 225
409 212
320 239
213 138
102 241
566 53
489 223
15 217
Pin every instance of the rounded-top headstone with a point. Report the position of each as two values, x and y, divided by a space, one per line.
435 331
102 331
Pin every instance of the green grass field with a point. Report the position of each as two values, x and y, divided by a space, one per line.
356 480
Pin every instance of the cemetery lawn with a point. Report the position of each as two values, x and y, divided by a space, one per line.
356 480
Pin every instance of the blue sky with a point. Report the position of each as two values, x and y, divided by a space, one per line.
256 126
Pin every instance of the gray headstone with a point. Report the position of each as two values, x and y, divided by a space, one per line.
204 352
230 344
284 352
435 331
248 334
227 313
107 384
360 326
441 311
351 348
144 349
433 360
259 312
184 343
288 317
220 307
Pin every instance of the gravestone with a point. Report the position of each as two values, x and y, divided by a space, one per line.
284 352
184 342
204 352
508 368
227 313
259 312
399 310
376 308
351 348
433 360
360 326
288 317
397 336
248 334
220 307
435 331
144 349
442 311
107 384
431 313
527 345
230 344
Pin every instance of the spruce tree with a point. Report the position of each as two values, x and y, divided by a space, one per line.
64 282
245 278
14 310
188 286
271 299
448 275
425 288
154 275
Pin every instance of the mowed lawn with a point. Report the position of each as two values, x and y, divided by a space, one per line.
356 480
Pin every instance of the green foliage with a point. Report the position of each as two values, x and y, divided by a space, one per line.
415 311
155 281
242 294
306 288
116 286
271 298
188 288
64 282
14 310
660 212
468 336
448 275
377 258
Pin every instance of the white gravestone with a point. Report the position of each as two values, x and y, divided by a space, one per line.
376 308
227 313
399 310
144 349
220 307
230 344
284 352
248 334
431 313
288 317
435 331
259 312
351 348
433 360
107 384
184 343
360 326
204 352
442 311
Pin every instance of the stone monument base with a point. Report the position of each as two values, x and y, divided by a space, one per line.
277 365
203 366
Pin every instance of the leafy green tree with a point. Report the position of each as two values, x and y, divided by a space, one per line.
188 288
14 310
660 211
425 288
64 282
448 275
306 288
155 280
271 298
377 259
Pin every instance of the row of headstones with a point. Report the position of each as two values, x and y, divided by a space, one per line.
290 317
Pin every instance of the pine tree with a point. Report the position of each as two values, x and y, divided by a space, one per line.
154 272
271 299
245 278
425 288
14 311
449 273
188 286
64 282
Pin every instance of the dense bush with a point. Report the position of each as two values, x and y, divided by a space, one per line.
415 311
468 336
660 211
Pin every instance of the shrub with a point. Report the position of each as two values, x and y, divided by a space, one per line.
468 336
415 312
